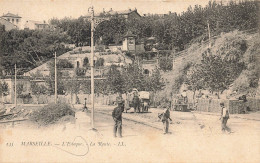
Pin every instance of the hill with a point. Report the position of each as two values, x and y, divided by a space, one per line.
237 46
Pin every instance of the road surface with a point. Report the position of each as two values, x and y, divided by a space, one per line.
195 138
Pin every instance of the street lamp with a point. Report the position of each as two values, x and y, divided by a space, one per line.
94 22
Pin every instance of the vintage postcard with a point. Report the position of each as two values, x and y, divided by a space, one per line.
129 81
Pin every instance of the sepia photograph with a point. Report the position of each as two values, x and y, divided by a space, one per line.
158 81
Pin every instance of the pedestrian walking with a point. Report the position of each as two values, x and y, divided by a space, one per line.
165 117
224 117
117 116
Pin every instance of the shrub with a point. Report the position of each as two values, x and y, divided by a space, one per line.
64 63
51 113
80 71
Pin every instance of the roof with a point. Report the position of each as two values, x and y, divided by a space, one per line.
35 22
111 12
11 15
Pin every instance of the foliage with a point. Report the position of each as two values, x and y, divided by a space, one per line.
80 71
165 64
64 63
38 89
51 113
19 89
4 89
132 77
218 74
72 86
178 30
178 81
77 29
30 48
194 79
114 80
99 62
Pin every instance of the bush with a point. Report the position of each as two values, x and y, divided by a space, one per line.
51 113
64 63
80 71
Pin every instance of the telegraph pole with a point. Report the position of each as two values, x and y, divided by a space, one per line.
92 67
15 93
55 62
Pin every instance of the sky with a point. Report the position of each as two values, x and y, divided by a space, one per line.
46 9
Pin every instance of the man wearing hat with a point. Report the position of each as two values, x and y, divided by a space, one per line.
165 117
117 116
224 117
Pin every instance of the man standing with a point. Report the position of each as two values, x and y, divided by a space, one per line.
165 117
224 117
184 95
117 116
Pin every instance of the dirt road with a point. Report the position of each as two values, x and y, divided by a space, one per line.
196 138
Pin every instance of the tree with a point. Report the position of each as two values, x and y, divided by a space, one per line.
115 80
194 79
19 89
4 89
216 73
73 86
37 90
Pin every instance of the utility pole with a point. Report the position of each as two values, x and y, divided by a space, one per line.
55 63
92 67
15 93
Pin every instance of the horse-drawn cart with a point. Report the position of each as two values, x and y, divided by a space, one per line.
180 104
140 101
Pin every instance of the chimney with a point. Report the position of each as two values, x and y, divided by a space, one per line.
129 9
103 10
111 9
169 12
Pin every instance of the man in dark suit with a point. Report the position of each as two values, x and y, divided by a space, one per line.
117 116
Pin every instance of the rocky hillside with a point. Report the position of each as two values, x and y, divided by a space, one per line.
239 46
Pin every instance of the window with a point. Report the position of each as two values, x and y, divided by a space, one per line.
77 64
12 20
8 19
17 20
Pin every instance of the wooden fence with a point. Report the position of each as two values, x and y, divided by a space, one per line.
234 106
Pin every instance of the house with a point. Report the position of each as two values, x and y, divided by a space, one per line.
128 14
129 43
31 24
7 25
12 18
79 57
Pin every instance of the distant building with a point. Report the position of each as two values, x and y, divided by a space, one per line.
128 14
12 18
33 25
129 42
7 25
